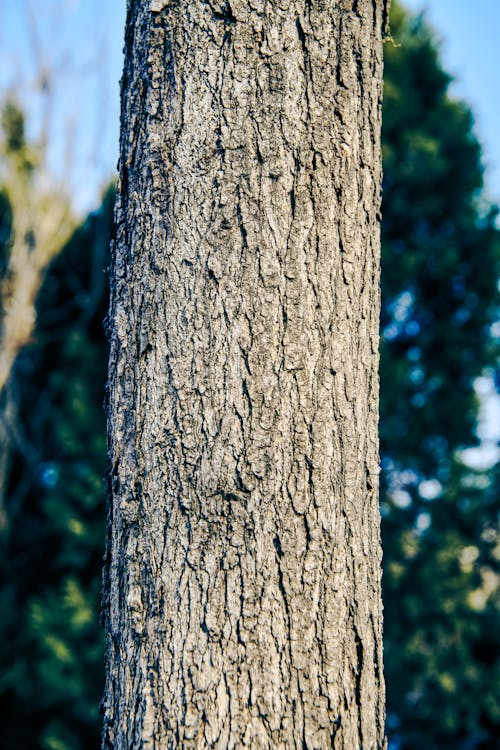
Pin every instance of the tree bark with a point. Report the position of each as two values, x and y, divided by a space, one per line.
242 580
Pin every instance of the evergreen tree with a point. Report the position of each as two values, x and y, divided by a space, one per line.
51 551
439 273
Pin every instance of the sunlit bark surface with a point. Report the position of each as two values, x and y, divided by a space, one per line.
242 580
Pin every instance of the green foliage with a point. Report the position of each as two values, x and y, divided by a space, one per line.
52 548
441 255
442 617
440 258
15 145
5 234
13 127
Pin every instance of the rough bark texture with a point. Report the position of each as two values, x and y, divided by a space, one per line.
242 582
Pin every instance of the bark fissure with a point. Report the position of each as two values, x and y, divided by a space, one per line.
242 587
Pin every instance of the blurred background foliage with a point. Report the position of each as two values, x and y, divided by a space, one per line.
440 271
441 265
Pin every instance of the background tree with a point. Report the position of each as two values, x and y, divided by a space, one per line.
52 647
51 422
439 289
40 225
38 222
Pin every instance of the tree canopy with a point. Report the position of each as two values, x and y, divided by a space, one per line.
440 266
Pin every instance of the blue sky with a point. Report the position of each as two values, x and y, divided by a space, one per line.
469 31
80 43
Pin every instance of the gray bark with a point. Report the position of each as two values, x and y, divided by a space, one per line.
242 580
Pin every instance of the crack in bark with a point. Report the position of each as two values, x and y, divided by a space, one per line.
243 517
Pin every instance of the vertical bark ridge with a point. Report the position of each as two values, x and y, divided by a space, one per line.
242 584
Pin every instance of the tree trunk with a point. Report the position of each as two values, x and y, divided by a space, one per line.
242 582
